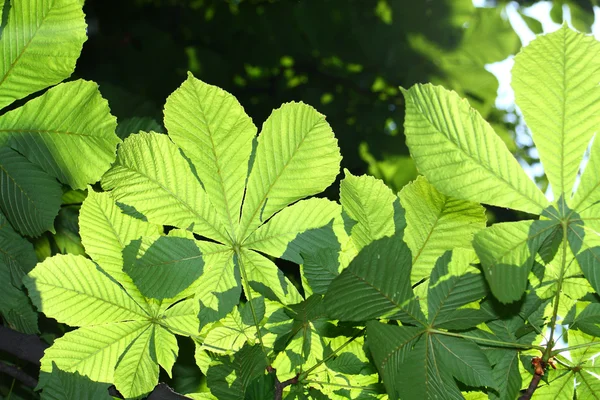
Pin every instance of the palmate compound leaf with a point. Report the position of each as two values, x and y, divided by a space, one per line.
39 45
560 102
436 223
122 334
296 156
461 155
415 365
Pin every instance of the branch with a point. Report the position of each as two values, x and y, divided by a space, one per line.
532 386
17 373
21 345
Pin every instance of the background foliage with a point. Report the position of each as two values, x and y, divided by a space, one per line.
346 60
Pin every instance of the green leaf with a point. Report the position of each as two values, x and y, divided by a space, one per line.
136 373
105 231
151 175
17 257
267 280
295 230
213 130
15 308
587 320
375 285
40 45
219 287
92 351
230 334
507 252
588 191
73 290
167 267
461 155
464 359
165 348
436 223
182 318
29 197
319 269
229 378
561 101
405 363
63 385
294 140
449 292
68 131
507 378
371 204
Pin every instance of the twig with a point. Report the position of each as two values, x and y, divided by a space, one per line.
17 373
532 386
21 345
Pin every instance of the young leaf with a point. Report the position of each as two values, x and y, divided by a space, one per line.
37 33
29 197
68 132
460 154
436 223
405 364
211 127
561 101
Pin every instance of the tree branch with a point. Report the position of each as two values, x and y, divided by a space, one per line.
17 373
21 345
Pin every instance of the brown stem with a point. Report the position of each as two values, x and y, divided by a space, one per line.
532 386
279 386
17 373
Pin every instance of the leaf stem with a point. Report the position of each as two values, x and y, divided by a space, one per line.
489 341
333 353
559 282
577 346
248 292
